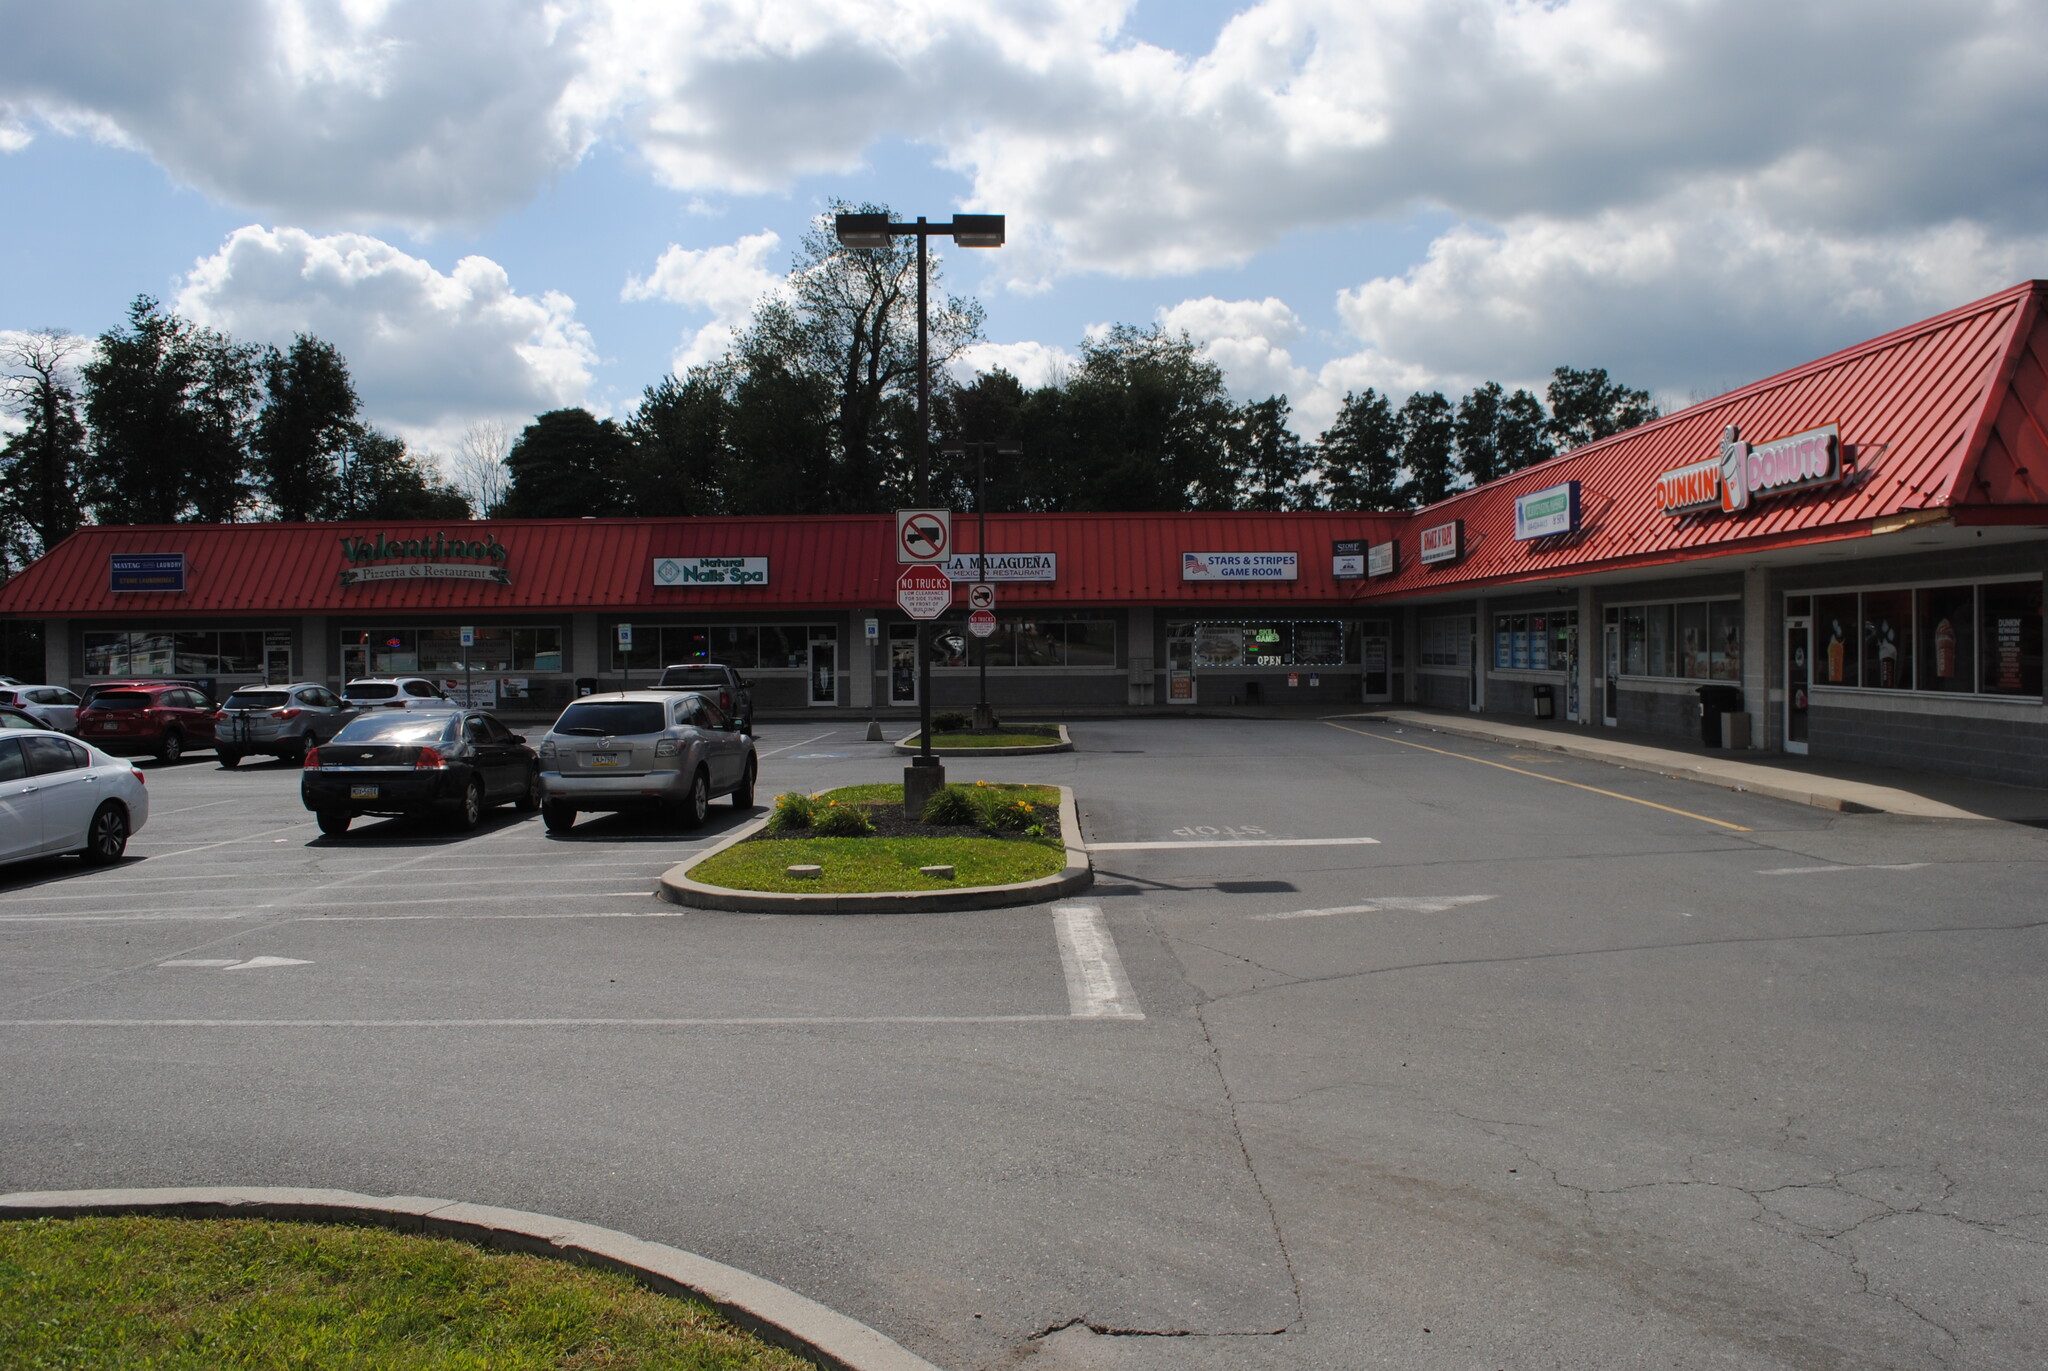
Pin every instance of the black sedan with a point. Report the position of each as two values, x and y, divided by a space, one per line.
456 762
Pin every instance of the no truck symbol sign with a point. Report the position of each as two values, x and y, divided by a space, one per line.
923 535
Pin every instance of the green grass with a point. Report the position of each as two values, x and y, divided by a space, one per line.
863 865
154 1294
965 740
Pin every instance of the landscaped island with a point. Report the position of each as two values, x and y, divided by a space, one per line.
861 841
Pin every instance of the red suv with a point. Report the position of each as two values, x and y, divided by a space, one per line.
163 719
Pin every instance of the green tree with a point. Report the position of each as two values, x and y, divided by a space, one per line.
1143 424
1357 460
307 423
567 463
1499 433
380 479
677 465
168 404
1585 406
1428 430
39 467
1271 462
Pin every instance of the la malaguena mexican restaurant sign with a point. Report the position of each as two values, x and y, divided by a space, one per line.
1741 473
439 557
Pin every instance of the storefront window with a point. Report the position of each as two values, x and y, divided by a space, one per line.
1692 642
1635 655
185 652
1662 640
1535 642
2010 639
1090 642
1834 634
1888 639
1948 640
1447 641
1724 640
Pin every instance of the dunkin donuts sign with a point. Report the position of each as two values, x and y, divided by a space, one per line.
1742 473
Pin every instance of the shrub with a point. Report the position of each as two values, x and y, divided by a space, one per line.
792 811
835 820
951 805
1035 831
997 810
951 721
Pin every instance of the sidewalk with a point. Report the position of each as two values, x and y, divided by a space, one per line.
1847 786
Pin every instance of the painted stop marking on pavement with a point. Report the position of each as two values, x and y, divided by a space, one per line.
925 592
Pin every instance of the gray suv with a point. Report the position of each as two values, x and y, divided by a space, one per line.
642 749
278 721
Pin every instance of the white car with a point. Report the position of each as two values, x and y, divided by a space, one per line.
59 795
395 692
54 705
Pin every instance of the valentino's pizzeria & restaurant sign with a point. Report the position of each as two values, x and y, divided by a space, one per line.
438 557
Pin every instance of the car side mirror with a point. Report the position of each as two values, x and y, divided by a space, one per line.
746 684
519 737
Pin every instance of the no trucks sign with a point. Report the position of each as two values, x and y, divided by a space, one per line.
924 591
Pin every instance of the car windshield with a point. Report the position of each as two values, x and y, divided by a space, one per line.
256 699
121 699
396 729
369 690
604 719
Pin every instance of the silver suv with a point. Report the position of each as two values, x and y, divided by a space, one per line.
640 749
278 721
396 692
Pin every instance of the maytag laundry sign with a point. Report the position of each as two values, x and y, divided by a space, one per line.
1239 566
1004 566
711 571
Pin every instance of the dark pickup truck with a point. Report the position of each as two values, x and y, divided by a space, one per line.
723 684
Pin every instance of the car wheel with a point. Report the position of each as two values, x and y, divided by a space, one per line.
743 794
697 808
106 838
295 751
470 810
334 822
559 818
171 748
229 758
530 800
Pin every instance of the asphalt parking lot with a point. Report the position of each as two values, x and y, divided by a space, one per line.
1423 1053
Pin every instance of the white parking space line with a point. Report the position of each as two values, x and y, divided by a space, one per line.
806 742
225 842
669 912
187 809
202 961
1233 842
1823 870
1096 985
1407 904
820 1021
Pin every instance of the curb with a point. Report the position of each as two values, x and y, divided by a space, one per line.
1065 744
1754 785
1079 874
769 1311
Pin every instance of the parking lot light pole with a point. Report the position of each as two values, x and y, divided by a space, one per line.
925 776
984 717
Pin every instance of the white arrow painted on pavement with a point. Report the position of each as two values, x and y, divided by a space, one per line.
1407 904
259 963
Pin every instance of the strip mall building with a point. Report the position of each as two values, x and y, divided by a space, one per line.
1857 546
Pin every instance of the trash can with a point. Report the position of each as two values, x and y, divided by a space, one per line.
1544 700
1735 731
1716 700
1253 695
586 685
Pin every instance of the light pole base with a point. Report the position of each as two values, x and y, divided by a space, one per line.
874 730
984 718
922 779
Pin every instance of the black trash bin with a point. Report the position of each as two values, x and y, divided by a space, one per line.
1716 700
1543 700
586 685
1253 694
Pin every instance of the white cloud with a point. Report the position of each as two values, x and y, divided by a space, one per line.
728 281
1033 364
1248 339
430 351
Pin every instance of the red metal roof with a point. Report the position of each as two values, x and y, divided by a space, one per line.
1948 416
820 562
1946 412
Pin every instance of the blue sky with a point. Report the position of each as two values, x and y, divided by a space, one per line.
1325 194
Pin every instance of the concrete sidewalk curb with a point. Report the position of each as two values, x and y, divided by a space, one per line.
1848 797
1078 875
770 1311
1065 744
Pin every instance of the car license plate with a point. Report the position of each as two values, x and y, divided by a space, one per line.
604 759
110 728
362 792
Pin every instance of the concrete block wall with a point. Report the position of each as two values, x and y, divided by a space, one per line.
2013 751
1442 692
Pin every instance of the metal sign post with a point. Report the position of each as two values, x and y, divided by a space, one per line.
625 656
468 642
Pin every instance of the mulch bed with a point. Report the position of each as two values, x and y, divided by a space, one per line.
890 822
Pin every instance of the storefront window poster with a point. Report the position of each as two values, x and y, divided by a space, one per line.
1888 639
2012 639
1834 631
1948 642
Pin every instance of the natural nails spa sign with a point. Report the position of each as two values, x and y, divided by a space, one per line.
437 557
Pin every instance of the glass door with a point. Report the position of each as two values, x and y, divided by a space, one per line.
1180 671
277 666
1798 682
903 664
1610 680
1376 657
824 672
1472 700
1570 657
